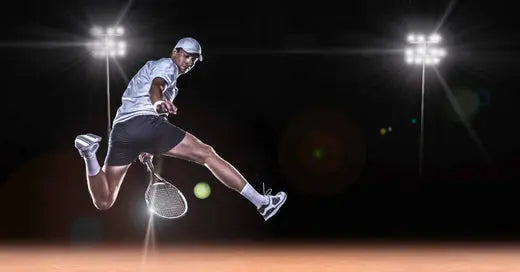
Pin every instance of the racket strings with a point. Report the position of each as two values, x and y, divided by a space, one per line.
166 200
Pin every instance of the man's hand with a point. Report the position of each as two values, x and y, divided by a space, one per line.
144 157
165 107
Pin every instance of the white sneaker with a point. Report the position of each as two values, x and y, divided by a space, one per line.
274 204
87 144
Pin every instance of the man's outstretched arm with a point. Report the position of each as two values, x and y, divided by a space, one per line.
157 98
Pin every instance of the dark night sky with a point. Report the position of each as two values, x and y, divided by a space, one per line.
280 83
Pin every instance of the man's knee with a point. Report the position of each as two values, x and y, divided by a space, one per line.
193 149
205 153
102 205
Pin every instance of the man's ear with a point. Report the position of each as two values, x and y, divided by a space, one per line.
174 51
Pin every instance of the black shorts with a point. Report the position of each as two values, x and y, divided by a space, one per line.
146 133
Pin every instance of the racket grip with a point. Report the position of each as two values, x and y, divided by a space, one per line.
149 164
146 160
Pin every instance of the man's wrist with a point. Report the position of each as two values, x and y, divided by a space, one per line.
157 103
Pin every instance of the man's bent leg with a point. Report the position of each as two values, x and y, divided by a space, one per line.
104 186
103 183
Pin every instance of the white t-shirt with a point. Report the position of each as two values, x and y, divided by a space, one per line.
136 98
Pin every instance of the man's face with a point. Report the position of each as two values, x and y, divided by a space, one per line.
184 60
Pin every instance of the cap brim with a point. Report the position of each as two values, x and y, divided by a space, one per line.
200 55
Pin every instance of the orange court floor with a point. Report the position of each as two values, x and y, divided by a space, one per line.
413 257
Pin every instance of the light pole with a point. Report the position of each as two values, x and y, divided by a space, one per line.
108 44
424 53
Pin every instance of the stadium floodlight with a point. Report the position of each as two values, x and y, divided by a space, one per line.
423 52
107 44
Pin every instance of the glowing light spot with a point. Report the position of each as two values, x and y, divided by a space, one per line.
484 98
318 153
382 131
467 104
85 229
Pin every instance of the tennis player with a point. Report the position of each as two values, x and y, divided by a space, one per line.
140 126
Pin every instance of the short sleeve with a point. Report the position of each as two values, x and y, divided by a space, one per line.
164 69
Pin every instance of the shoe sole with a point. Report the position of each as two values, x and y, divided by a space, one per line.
277 208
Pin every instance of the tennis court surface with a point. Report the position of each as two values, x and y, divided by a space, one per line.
266 257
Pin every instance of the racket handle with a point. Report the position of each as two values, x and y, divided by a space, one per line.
146 160
149 164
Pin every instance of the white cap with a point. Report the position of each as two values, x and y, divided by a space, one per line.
190 45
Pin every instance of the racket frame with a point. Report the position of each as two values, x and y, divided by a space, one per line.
151 170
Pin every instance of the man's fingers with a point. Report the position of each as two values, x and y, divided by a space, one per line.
172 108
143 157
167 107
163 109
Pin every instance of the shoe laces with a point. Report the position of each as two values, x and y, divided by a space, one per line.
268 192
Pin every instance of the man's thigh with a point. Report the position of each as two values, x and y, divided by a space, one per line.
190 148
115 175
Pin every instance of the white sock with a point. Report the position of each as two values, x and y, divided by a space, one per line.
92 165
252 195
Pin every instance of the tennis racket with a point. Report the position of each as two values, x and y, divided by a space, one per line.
162 198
